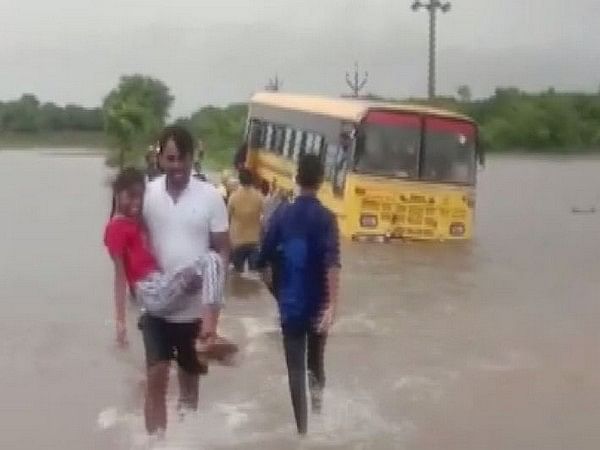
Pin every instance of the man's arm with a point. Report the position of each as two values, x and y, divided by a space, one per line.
219 242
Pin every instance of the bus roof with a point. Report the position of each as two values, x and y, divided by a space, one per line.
343 108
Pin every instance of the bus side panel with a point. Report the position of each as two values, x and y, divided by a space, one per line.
273 169
281 173
338 205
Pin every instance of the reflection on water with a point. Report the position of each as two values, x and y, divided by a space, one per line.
491 344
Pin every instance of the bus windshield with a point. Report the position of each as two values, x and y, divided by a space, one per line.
389 145
449 151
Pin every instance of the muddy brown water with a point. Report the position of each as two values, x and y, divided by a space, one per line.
492 344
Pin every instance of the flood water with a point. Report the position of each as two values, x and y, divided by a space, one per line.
488 345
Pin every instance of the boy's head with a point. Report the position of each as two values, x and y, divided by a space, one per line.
176 155
310 172
245 177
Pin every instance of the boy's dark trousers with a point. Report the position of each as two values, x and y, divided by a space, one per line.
304 349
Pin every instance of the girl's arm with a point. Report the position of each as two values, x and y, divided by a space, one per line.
120 298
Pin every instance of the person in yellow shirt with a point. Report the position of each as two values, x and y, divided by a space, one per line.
245 211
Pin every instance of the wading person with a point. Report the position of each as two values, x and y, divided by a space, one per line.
152 168
185 218
245 210
302 244
197 166
239 159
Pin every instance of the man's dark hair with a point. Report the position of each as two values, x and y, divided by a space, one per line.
245 177
183 139
310 172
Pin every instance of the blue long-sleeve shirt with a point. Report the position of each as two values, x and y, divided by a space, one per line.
302 243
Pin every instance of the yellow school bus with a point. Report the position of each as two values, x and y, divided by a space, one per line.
391 170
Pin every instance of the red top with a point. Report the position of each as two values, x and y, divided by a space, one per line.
125 237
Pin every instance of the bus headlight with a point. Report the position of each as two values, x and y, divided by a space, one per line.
457 229
368 221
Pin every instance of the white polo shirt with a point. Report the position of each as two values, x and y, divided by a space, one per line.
180 231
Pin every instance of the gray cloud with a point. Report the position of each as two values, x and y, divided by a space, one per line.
220 51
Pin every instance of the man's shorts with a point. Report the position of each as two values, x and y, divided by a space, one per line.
164 341
243 253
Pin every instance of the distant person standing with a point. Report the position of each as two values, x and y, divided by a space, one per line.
226 185
152 167
239 159
302 243
245 210
197 170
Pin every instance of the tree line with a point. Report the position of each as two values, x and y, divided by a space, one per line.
135 111
28 115
514 120
547 121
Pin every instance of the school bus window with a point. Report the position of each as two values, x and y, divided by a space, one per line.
317 144
286 142
299 137
331 151
263 135
389 145
269 137
310 141
255 133
449 151
279 139
292 144
340 168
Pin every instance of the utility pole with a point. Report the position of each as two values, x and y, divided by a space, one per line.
274 84
355 82
432 6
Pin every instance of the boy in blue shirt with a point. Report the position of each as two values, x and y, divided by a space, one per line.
302 247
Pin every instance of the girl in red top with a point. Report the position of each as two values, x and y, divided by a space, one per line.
127 242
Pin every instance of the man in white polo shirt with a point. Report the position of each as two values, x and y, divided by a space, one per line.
185 218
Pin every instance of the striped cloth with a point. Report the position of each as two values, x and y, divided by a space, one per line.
163 294
212 271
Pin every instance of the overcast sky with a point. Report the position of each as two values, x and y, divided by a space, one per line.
220 51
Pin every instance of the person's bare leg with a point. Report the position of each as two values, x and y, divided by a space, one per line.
155 407
189 387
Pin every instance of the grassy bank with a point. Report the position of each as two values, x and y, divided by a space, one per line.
53 139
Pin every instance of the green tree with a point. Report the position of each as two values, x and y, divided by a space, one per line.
134 113
21 115
221 131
